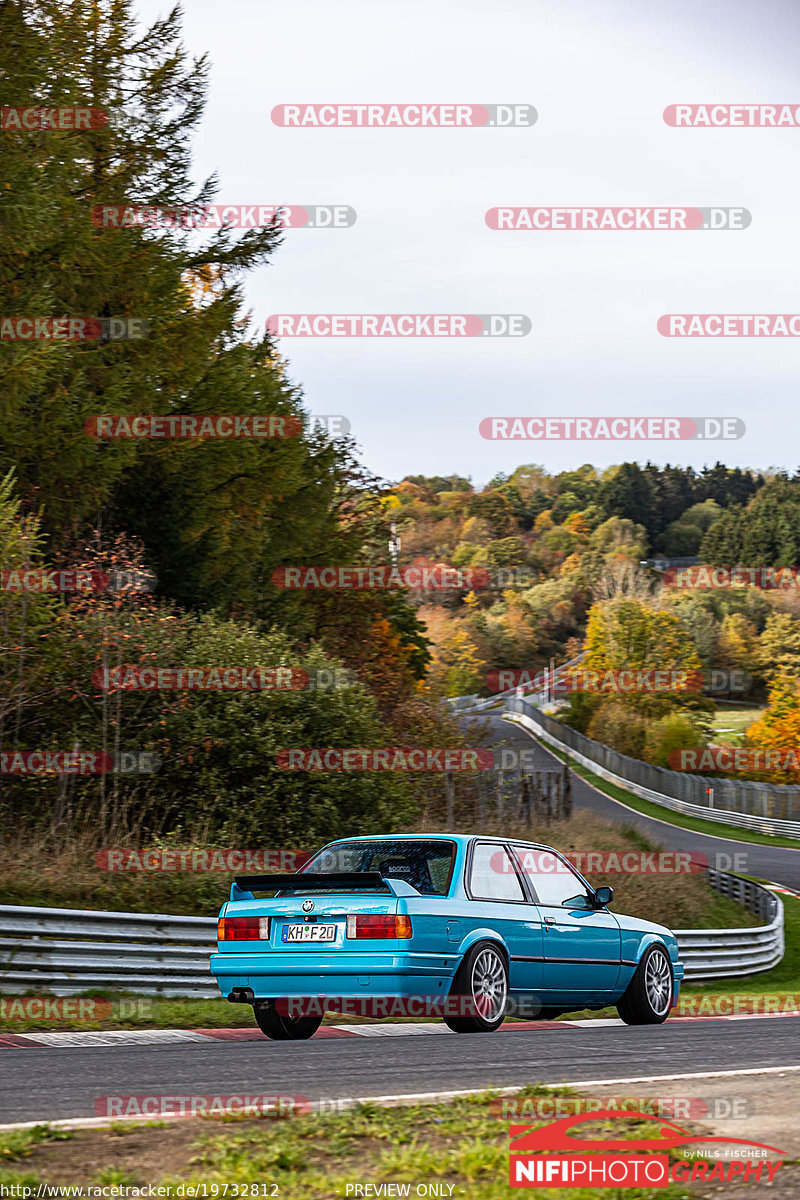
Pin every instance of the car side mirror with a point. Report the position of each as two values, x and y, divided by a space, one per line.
603 897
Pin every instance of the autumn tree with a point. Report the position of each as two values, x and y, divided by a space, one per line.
738 644
626 634
778 728
779 647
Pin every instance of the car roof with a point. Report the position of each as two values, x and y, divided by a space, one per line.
462 838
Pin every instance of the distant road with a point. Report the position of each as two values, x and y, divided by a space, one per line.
779 864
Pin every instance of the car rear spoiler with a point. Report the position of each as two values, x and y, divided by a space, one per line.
243 886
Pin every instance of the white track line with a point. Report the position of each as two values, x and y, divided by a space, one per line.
409 1098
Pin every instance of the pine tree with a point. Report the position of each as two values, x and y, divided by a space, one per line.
215 516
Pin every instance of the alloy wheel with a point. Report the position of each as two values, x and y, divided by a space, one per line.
489 985
658 981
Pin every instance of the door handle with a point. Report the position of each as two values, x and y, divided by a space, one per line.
550 921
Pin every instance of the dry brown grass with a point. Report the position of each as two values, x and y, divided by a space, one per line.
38 872
35 872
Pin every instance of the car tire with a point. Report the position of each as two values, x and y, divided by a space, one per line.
648 997
482 978
282 1028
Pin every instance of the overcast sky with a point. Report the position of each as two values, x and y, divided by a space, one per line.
600 73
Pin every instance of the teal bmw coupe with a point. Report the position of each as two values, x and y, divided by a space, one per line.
469 928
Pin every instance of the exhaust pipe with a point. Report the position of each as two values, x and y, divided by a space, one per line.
241 996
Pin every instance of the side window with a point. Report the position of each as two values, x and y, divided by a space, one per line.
440 871
552 879
492 875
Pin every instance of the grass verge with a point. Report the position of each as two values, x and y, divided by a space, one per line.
463 1143
731 722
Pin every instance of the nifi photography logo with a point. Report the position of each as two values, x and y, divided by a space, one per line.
549 1156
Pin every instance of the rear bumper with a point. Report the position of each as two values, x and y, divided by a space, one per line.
340 974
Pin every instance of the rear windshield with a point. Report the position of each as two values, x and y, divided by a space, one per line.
427 866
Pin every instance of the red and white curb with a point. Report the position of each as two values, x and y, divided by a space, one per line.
162 1037
149 1037
781 890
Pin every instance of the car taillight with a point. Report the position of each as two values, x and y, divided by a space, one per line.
242 929
378 925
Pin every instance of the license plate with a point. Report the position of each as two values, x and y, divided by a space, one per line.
309 933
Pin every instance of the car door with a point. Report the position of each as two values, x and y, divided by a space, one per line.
498 901
582 945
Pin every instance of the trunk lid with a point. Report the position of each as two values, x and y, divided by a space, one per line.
325 911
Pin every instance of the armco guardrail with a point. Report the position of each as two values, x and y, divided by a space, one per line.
64 951
719 953
769 808
463 705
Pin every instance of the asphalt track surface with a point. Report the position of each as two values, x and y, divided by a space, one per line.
52 1084
778 864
